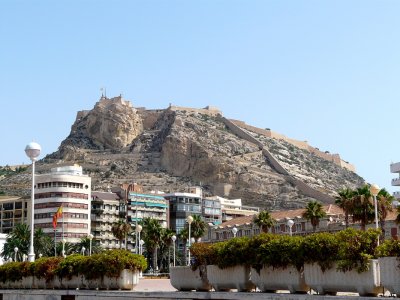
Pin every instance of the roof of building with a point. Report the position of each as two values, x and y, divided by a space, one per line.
330 210
105 195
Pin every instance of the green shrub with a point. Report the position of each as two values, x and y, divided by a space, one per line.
71 266
232 252
388 248
356 248
45 267
202 254
111 263
281 252
321 248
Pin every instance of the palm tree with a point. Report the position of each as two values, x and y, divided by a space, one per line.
184 236
42 243
345 202
152 231
198 227
19 237
314 212
363 208
264 220
384 201
84 243
165 246
121 230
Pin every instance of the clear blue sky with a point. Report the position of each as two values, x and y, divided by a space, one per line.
323 71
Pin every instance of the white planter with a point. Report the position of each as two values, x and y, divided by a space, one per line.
183 278
75 282
271 280
237 277
390 273
332 281
126 281
27 282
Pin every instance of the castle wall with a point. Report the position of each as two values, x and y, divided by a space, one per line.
303 187
209 110
335 158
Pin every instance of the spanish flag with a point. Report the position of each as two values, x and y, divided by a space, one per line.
57 215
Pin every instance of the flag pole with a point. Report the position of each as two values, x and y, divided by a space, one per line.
62 241
55 242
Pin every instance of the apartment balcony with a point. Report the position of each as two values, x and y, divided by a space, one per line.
396 181
395 167
396 195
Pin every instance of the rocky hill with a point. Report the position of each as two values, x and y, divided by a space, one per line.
174 148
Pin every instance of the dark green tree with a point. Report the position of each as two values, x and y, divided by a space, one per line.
264 220
314 212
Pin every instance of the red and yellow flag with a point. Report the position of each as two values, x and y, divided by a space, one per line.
57 215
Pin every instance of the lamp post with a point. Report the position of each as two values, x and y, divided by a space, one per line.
63 247
138 230
374 189
32 150
189 219
83 250
15 255
141 243
173 238
290 223
90 236
234 231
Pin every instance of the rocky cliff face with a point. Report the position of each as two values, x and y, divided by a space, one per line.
170 150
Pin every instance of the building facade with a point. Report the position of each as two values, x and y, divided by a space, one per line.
395 168
14 210
69 188
104 213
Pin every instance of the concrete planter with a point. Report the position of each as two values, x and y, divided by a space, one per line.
75 282
237 277
271 280
126 281
332 281
183 278
390 273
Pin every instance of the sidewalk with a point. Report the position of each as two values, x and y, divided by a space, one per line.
154 285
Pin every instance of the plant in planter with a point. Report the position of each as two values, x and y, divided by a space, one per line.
44 268
389 262
342 262
193 277
112 265
278 264
231 269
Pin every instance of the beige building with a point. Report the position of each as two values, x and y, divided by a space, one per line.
69 188
14 210
105 212
395 168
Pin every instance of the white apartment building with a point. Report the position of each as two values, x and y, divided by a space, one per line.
233 208
69 188
395 168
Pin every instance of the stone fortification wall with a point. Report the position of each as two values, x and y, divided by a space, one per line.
300 144
108 101
208 110
149 117
303 187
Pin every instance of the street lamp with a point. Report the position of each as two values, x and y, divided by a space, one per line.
189 219
15 255
234 231
32 150
374 189
141 243
173 238
138 230
290 223
83 250
63 247
90 236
